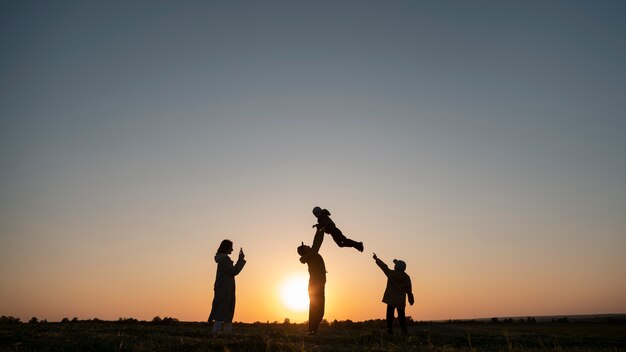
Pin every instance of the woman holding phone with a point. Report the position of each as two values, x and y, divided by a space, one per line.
223 308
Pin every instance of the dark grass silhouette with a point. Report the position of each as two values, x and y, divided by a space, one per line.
133 335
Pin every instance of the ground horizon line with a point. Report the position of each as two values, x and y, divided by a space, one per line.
503 318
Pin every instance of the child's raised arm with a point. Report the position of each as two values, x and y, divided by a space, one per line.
381 264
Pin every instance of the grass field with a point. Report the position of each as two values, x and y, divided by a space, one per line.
366 336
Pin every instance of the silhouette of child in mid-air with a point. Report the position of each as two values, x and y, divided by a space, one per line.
325 224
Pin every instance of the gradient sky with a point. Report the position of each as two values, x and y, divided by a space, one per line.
482 142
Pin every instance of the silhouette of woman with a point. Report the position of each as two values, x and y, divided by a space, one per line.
223 307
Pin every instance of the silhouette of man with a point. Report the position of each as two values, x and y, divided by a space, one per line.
317 280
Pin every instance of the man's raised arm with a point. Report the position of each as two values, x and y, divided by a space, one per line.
317 241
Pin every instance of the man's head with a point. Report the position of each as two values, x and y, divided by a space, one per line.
303 249
400 265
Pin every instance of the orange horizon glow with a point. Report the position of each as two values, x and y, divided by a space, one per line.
353 291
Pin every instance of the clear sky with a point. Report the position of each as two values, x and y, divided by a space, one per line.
481 142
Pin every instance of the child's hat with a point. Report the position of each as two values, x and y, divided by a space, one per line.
400 264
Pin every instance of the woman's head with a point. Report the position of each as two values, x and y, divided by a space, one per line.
226 247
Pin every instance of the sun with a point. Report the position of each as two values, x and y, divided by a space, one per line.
294 293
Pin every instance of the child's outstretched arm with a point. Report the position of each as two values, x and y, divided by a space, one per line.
322 223
381 264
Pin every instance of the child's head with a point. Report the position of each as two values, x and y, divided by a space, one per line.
400 265
303 249
317 211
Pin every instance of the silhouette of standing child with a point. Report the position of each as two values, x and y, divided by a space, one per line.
325 224
398 287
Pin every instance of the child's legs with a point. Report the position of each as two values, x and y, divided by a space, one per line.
338 237
341 239
390 310
402 319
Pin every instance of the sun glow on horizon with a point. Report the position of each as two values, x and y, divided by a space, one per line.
294 293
